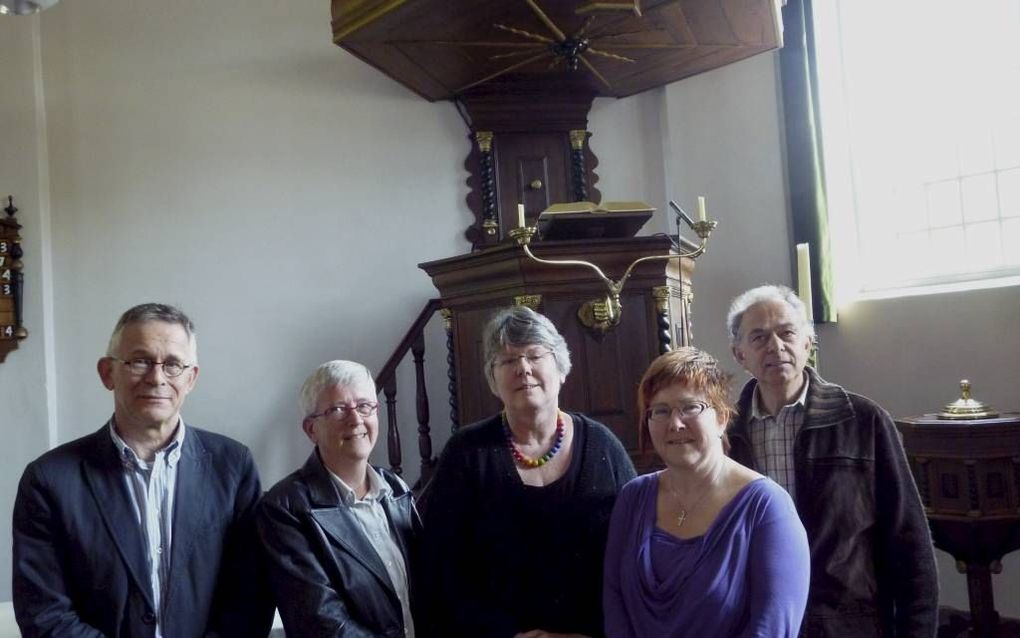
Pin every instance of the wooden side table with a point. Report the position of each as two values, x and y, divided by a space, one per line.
968 474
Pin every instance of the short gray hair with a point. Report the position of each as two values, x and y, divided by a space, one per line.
520 326
762 294
329 374
146 312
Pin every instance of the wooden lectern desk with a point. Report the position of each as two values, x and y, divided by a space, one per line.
606 367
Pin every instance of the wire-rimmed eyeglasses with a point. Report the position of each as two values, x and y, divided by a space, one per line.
508 361
341 412
663 413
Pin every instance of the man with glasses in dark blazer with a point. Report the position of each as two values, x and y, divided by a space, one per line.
145 527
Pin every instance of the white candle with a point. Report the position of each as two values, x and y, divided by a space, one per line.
701 209
520 215
804 277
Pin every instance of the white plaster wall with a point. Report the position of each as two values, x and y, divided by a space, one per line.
229 158
24 387
725 141
627 140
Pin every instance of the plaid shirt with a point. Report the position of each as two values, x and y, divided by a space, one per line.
772 438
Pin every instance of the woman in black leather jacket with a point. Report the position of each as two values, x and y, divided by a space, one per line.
338 532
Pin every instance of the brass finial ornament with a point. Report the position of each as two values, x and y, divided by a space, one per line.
967 408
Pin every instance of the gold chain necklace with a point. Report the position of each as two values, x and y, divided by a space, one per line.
684 511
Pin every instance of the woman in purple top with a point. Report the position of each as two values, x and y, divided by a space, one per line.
706 547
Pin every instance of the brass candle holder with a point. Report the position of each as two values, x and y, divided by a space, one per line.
602 315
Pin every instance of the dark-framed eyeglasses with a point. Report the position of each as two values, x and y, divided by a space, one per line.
341 412
663 413
141 366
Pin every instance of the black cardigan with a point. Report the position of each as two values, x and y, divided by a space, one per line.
505 557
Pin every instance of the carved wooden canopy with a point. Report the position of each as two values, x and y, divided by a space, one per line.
442 48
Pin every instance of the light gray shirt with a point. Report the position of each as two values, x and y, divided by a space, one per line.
772 438
370 514
151 486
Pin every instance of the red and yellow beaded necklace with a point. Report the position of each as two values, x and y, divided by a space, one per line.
545 458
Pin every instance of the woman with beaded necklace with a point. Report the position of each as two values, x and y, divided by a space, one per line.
517 513
706 547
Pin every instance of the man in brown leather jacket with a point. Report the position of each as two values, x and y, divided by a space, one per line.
840 457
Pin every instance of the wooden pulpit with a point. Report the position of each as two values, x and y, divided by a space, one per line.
607 366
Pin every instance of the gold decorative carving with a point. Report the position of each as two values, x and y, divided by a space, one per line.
577 138
661 296
531 301
447 316
600 315
484 139
351 15
490 226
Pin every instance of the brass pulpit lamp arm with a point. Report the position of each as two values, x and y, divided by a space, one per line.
601 315
703 229
523 237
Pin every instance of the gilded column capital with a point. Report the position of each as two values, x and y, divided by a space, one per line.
577 138
661 295
484 139
531 301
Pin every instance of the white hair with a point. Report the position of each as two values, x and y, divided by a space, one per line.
763 294
329 374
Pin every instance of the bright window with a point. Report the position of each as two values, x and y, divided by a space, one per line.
920 108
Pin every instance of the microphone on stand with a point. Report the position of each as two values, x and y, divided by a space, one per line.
680 214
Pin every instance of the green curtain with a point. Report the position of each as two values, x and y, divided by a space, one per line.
805 161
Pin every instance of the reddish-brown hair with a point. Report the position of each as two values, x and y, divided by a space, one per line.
690 367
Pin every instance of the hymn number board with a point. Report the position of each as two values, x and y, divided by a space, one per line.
11 282
6 287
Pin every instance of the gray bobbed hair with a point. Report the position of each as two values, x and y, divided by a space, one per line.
518 327
766 293
329 374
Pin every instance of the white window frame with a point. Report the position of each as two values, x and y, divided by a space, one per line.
854 226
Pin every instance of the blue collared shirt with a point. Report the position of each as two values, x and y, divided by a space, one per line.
151 486
372 517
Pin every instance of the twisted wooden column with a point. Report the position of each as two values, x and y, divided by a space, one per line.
577 169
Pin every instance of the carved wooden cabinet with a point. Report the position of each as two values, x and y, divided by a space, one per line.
606 368
529 147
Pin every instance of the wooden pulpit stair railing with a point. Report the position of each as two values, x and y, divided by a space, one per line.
386 382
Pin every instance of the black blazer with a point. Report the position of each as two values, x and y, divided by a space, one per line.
327 578
80 566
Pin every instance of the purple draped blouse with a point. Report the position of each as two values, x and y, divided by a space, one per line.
746 576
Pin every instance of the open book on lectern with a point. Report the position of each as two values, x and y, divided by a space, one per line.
588 220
